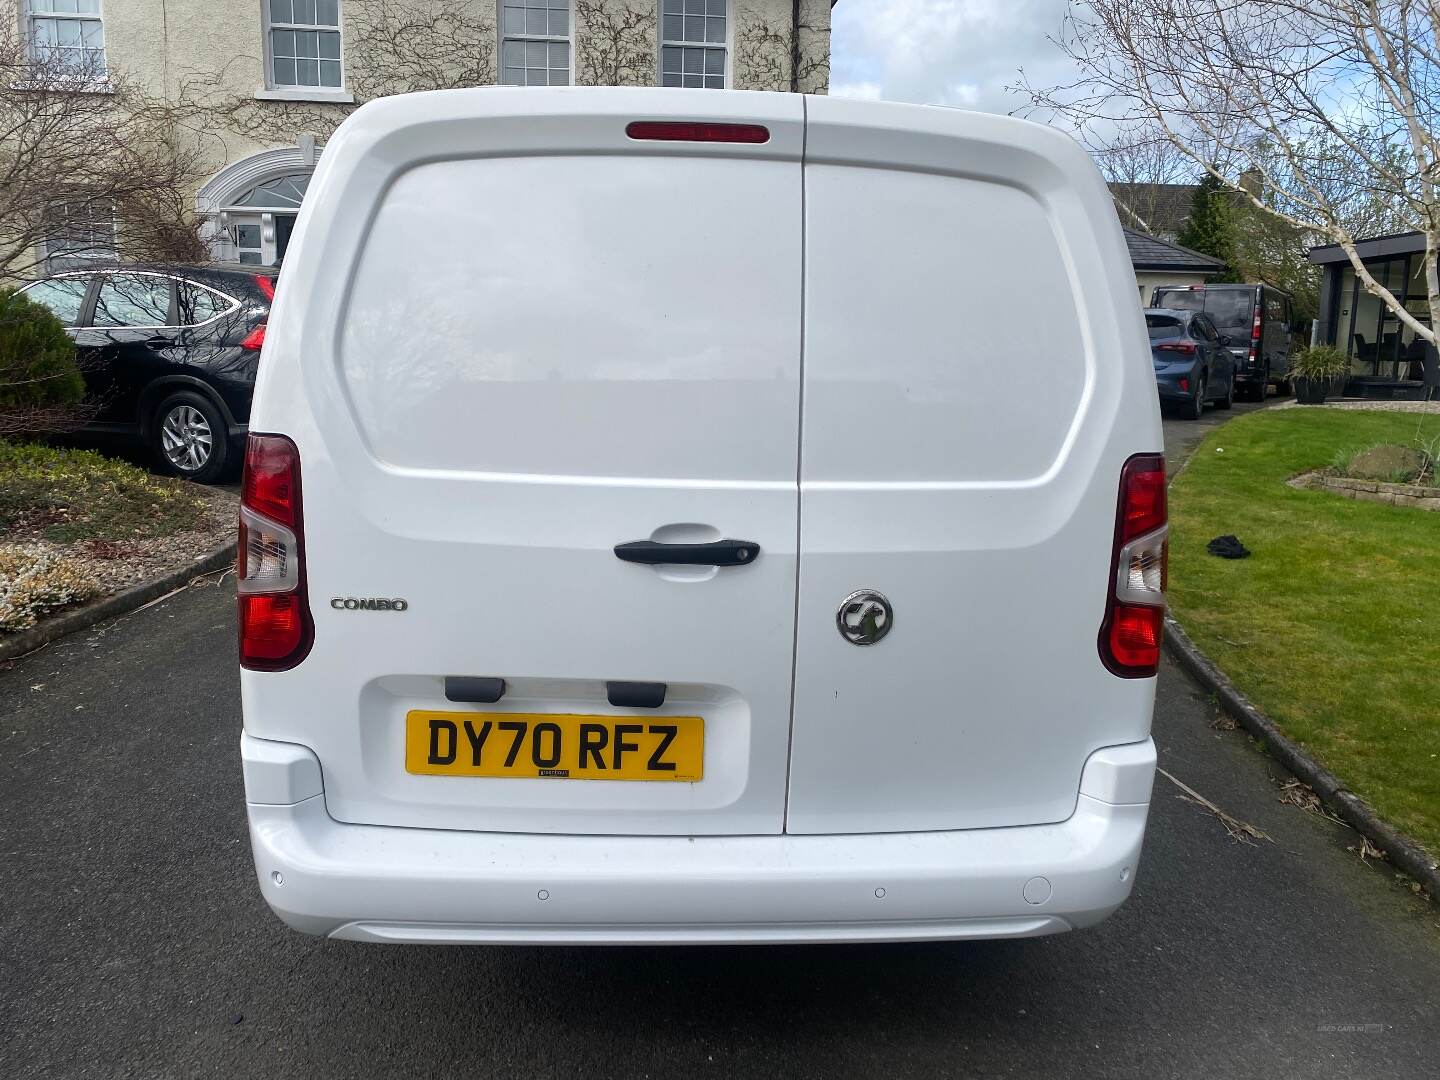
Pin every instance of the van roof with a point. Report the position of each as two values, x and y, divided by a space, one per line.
1220 286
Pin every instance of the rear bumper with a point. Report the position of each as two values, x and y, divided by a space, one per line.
387 884
1169 377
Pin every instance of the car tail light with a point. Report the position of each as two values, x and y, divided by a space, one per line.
266 285
1135 608
255 339
1186 347
276 630
687 131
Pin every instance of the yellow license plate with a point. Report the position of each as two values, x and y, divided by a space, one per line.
564 745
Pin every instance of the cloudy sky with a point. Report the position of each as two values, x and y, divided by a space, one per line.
944 52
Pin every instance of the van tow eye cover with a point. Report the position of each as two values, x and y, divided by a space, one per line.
635 695
485 691
715 553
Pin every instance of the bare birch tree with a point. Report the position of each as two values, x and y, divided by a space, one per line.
1330 104
89 163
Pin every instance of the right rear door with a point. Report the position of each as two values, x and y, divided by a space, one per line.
962 438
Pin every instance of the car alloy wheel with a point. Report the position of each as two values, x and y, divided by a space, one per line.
186 438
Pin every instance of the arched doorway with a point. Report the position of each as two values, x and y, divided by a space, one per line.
262 218
250 205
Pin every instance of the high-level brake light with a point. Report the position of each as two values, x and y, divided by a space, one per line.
697 131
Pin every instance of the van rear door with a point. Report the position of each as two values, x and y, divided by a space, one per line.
510 338
962 448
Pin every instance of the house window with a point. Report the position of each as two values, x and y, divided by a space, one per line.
304 44
692 43
79 232
69 34
535 42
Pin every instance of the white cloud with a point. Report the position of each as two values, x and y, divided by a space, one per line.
945 52
870 91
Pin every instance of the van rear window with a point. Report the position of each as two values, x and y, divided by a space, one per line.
1226 307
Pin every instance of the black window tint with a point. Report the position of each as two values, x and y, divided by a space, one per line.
1181 300
1162 326
64 296
197 304
1230 308
1200 328
133 300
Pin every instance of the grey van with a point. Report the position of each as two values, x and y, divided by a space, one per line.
1257 319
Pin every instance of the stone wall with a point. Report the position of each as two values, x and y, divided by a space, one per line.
1414 496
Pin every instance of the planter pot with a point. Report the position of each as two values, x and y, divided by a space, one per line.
1314 391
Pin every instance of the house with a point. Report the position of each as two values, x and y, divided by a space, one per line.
1387 360
1160 262
268 80
1159 210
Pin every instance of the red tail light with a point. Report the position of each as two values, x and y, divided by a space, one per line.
1255 326
1135 606
266 285
276 630
255 339
684 131
1186 347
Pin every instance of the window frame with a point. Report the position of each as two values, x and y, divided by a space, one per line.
296 90
31 16
93 254
175 281
103 277
232 304
86 299
501 37
661 41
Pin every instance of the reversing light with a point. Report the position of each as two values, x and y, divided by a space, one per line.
276 630
1134 623
697 131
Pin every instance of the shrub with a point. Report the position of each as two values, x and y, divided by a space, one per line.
37 358
1320 362
68 495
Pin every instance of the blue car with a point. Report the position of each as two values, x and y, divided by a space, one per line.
1193 366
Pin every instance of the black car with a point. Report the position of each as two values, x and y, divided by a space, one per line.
1257 319
169 354
1193 365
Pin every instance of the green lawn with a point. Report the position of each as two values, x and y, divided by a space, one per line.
68 495
1332 626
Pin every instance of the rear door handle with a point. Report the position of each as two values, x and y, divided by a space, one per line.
715 553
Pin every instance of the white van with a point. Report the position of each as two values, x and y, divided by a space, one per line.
670 517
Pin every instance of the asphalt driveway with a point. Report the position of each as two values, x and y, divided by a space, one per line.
134 941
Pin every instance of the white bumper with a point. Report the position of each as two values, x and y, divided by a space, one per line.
381 883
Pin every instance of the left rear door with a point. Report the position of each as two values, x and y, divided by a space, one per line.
551 346
132 326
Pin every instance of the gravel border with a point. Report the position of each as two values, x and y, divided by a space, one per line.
1402 852
126 600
